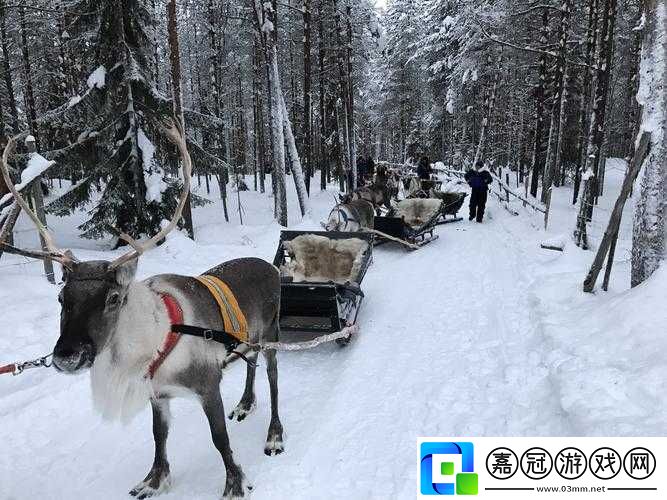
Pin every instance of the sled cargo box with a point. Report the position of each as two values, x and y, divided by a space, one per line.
451 204
321 274
412 220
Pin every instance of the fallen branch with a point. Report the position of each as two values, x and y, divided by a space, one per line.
550 247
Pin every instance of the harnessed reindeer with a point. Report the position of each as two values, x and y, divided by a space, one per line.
379 193
115 325
355 215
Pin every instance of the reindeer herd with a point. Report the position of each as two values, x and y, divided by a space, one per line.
121 329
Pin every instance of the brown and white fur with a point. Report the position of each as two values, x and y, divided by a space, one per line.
353 216
115 325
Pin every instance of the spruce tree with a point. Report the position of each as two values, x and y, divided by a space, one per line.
115 124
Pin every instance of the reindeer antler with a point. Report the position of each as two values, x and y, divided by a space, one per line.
53 253
174 131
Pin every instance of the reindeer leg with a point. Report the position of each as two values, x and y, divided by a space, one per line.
235 485
247 404
158 479
274 440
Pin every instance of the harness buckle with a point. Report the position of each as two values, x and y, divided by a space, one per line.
208 334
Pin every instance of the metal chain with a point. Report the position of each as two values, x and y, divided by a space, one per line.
43 362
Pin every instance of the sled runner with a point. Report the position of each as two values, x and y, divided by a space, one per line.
412 220
321 273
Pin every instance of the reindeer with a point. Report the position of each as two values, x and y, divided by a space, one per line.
114 326
379 193
355 215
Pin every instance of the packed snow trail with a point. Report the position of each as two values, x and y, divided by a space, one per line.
447 347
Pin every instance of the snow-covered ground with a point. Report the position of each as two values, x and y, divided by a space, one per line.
480 333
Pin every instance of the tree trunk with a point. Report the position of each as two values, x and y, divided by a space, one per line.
596 130
488 110
307 95
277 131
351 140
324 157
177 94
553 153
615 219
650 222
7 69
214 75
29 96
537 165
295 162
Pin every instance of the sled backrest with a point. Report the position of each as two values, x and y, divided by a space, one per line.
416 212
322 257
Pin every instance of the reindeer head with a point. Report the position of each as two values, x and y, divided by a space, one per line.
91 301
95 292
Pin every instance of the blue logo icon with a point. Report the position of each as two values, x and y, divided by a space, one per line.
448 481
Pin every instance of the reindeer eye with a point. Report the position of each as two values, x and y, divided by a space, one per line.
113 299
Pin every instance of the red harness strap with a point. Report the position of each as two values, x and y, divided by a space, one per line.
175 318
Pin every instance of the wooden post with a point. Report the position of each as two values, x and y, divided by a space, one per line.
37 203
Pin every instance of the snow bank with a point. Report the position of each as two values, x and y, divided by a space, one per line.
608 356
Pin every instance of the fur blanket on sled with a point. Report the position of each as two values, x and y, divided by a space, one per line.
317 259
450 198
418 211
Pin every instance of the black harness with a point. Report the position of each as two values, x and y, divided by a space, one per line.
220 336
345 217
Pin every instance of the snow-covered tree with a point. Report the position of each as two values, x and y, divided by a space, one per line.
115 120
650 224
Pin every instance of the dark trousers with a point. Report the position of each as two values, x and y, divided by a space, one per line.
478 204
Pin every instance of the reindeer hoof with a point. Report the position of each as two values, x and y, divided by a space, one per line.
274 446
242 411
155 484
237 488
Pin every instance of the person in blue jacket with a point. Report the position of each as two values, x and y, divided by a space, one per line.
479 180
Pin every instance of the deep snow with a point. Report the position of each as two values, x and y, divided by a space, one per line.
479 333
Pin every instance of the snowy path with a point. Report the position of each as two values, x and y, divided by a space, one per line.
448 347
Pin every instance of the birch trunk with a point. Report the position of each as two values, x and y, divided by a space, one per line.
650 222
295 162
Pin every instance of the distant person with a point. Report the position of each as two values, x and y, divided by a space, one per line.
370 167
424 169
479 180
362 171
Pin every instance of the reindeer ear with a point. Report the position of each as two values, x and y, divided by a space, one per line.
67 267
125 272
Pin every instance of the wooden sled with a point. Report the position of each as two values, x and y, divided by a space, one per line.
321 299
413 220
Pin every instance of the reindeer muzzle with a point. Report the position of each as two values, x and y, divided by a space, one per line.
72 359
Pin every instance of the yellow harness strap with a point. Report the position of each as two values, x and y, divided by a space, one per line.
232 316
